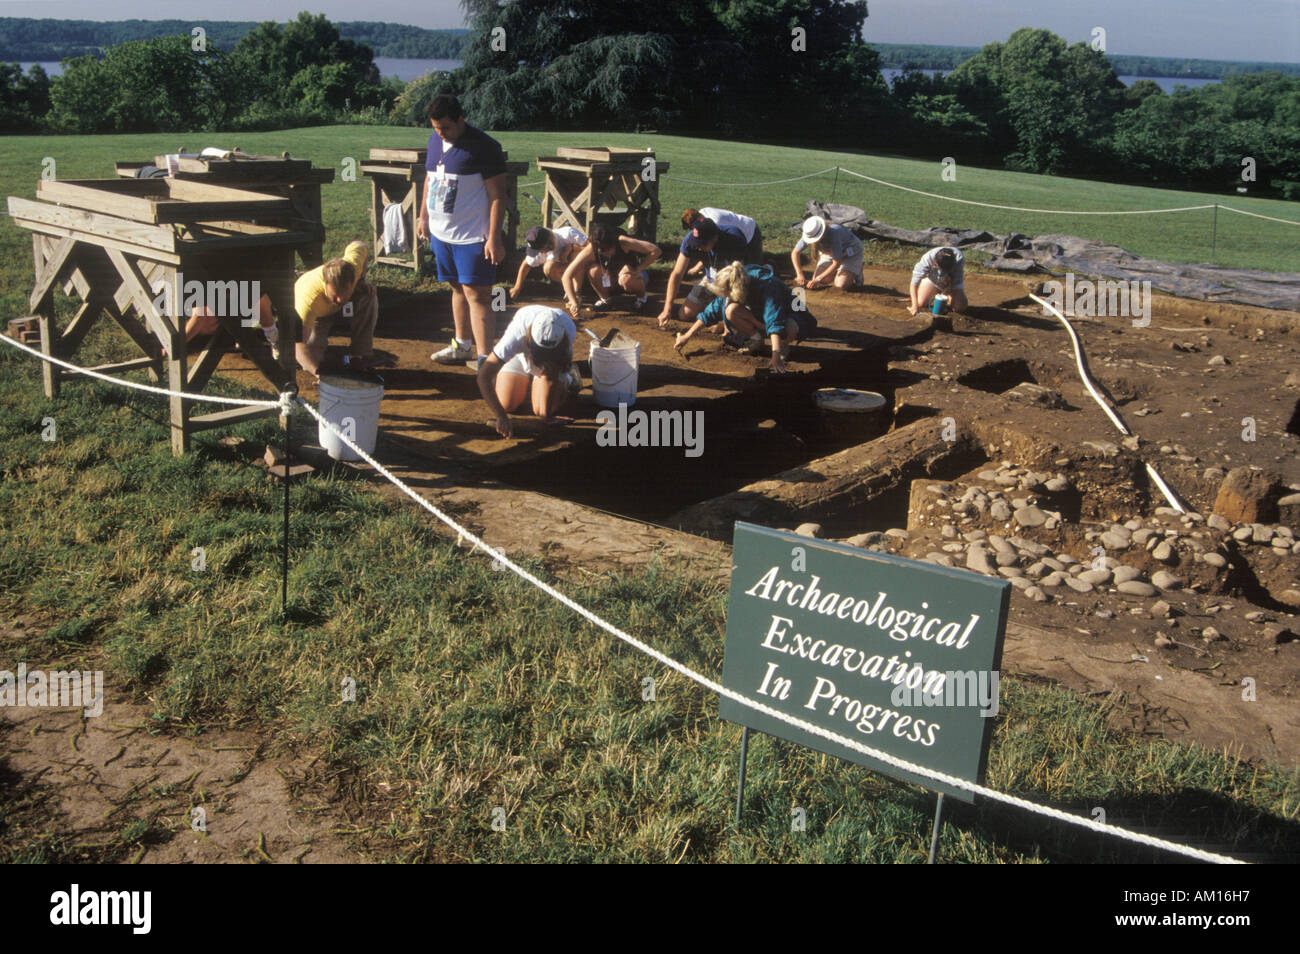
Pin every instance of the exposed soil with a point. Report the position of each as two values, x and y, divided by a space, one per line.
1004 376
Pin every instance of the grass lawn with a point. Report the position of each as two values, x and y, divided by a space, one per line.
475 692
1182 237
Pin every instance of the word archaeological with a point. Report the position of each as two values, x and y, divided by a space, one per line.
900 624
103 907
230 299
652 429
1088 299
56 689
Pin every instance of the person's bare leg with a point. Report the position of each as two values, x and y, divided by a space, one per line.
742 320
512 389
460 312
548 397
596 277
925 293
481 320
632 282
845 280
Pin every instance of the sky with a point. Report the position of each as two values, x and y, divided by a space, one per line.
1267 30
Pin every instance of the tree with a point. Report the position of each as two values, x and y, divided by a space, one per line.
1057 104
24 98
768 68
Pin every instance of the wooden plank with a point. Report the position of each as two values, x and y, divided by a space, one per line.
207 362
594 153
137 333
118 367
137 250
94 226
400 155
142 301
76 330
137 203
50 273
234 415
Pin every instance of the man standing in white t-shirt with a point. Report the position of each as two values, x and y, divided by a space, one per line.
461 214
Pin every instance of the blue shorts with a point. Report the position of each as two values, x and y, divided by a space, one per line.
462 264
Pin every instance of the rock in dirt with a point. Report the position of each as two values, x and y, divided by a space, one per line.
1249 495
1136 588
1030 517
1165 580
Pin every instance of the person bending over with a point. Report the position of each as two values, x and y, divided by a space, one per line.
610 257
337 292
713 237
552 250
836 252
750 300
939 270
533 359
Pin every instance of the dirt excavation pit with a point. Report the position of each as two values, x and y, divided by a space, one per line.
990 456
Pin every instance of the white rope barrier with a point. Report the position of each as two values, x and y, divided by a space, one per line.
1114 419
756 706
1016 208
713 686
1256 215
212 398
811 175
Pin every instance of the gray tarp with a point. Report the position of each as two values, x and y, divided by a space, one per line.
1059 254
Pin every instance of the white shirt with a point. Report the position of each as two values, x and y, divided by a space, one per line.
565 236
732 220
515 339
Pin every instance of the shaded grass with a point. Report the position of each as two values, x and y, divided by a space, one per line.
478 699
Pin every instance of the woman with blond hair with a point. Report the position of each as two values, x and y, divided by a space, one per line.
751 300
713 238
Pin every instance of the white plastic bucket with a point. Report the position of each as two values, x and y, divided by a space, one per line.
351 405
614 371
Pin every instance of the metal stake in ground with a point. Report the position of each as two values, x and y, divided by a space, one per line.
938 820
740 787
284 556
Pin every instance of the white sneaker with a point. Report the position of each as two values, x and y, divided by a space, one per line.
453 354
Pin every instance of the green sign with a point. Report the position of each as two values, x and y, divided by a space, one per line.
897 654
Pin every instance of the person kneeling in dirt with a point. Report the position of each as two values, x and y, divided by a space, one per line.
330 292
750 300
713 238
610 257
552 249
939 270
837 254
534 356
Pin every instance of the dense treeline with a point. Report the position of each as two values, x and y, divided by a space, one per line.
921 56
795 71
26 39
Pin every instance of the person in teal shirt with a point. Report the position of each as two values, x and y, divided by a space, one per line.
752 302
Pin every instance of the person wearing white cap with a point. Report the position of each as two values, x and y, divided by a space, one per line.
838 253
551 249
534 356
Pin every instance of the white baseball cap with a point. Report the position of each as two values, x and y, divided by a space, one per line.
547 329
813 228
